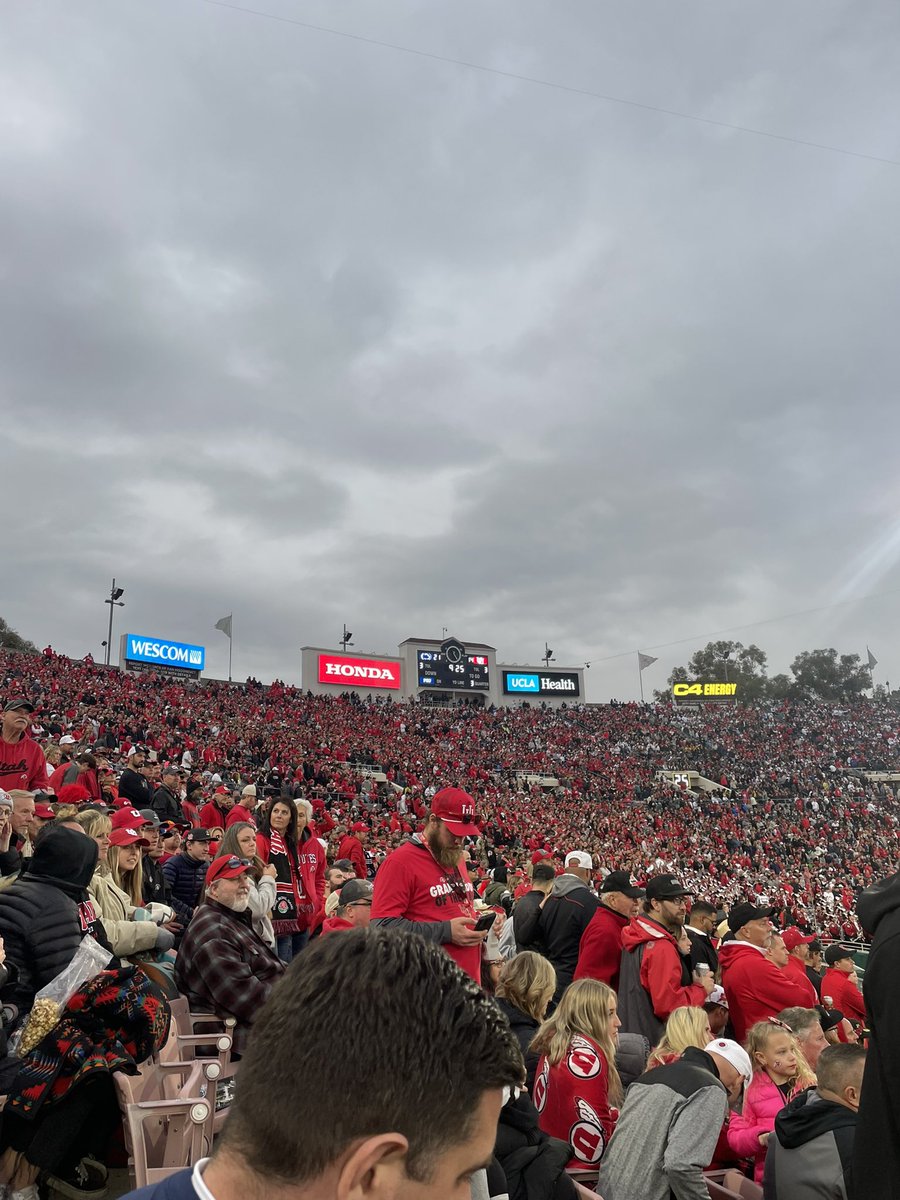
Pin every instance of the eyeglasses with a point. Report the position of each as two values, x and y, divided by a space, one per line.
359 904
234 861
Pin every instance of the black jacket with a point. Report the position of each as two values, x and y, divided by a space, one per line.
166 805
810 1153
702 951
876 1155
135 788
533 1162
524 1027
525 918
40 921
566 914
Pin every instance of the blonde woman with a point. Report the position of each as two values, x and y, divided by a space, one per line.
577 1083
685 1027
526 987
115 907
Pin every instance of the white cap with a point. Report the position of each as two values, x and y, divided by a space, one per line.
578 858
67 740
249 790
735 1054
717 996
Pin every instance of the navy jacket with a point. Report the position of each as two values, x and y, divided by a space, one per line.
185 877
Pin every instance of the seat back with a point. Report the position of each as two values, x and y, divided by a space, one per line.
167 1116
742 1186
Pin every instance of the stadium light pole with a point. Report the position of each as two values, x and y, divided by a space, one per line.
548 655
345 638
114 601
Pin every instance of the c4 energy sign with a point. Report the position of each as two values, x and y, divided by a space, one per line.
704 693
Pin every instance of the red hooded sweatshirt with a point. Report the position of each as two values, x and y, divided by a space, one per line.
757 989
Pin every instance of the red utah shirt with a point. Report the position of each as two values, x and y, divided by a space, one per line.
412 885
22 765
572 1099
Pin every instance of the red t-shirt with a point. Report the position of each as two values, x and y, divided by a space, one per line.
572 1099
22 765
411 883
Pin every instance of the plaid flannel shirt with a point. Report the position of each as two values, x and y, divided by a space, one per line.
223 967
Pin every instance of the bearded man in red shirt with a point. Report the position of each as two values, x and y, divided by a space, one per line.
423 885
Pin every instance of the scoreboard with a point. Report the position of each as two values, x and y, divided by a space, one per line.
452 668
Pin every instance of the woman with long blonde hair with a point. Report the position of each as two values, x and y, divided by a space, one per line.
685 1027
526 987
114 905
577 1082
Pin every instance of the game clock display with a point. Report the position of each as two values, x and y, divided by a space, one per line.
453 669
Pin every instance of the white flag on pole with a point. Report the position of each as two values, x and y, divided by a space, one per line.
645 660
224 625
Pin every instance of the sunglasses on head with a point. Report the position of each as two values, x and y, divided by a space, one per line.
234 861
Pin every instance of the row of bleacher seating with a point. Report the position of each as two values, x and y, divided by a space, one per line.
172 1109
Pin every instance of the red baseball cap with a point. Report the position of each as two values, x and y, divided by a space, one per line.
226 867
793 938
128 818
127 837
222 791
540 856
44 811
456 809
359 827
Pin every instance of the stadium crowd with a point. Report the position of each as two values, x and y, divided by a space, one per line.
672 962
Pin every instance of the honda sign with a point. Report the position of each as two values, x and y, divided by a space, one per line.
359 672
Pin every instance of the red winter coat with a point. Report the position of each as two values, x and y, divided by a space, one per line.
757 989
212 817
600 949
351 847
845 996
661 972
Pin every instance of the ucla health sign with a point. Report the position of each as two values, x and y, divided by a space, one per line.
540 683
154 652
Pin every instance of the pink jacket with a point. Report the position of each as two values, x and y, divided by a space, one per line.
762 1103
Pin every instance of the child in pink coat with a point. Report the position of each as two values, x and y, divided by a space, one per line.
779 1072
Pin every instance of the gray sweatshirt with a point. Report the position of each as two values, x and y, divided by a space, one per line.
666 1133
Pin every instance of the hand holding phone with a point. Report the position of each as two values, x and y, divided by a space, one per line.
485 921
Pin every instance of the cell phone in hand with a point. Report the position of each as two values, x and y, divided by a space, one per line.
485 921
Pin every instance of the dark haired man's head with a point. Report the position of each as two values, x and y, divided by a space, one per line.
543 876
414 1091
703 917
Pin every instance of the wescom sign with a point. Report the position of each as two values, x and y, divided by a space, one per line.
359 672
157 652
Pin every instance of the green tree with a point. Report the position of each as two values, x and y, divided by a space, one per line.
740 664
826 675
10 640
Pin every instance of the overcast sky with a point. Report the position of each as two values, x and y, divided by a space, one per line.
314 330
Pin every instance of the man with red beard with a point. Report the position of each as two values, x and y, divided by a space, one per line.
423 885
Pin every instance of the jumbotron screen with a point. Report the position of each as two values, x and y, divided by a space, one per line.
435 670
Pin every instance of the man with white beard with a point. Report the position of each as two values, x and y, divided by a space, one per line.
222 966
